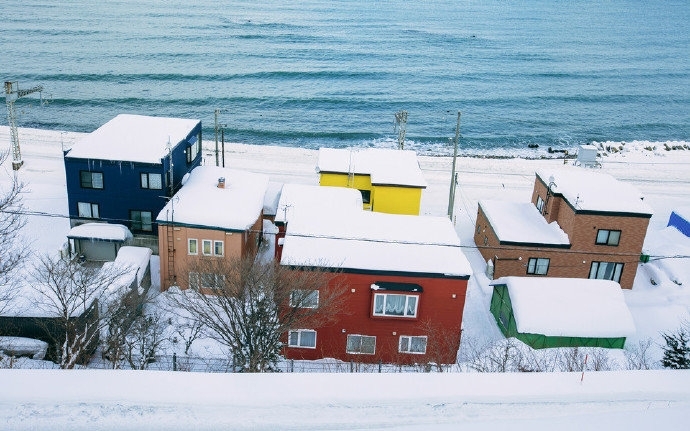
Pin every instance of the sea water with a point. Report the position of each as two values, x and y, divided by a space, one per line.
537 73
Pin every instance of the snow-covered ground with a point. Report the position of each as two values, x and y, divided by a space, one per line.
659 301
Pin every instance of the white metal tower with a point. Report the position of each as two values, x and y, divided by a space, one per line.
12 93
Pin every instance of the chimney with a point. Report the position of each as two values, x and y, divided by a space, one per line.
221 182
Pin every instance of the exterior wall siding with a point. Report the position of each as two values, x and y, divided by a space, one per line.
236 244
397 200
439 317
389 199
122 191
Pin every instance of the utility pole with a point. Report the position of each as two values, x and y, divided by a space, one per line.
453 175
215 128
12 93
222 142
401 122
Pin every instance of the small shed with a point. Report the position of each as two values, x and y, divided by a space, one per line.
98 241
587 156
680 219
562 312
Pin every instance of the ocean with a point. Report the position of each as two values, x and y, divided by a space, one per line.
526 75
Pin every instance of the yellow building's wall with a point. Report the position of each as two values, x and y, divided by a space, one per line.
359 182
397 200
384 199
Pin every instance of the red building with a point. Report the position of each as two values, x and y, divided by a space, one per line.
404 280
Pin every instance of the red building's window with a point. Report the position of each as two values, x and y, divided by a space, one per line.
396 305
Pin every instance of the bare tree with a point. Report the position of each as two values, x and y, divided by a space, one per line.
144 340
249 306
71 293
638 356
11 221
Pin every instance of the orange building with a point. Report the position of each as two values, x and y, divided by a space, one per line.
217 214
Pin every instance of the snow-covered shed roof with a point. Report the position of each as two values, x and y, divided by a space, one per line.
201 203
133 138
100 231
365 240
374 226
374 256
317 200
271 198
385 166
521 222
137 258
568 307
587 190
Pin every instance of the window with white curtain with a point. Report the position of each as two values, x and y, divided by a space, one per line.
392 304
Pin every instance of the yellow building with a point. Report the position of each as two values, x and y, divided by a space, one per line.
390 181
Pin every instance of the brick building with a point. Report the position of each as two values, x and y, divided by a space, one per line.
579 224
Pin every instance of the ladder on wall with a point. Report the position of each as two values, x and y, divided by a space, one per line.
170 236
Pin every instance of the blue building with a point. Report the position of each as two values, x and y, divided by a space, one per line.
125 171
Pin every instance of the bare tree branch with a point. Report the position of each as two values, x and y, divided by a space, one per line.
11 222
249 306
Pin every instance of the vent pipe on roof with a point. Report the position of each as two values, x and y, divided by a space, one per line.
221 182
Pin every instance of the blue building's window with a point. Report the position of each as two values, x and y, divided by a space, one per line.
141 220
193 150
91 180
151 181
88 210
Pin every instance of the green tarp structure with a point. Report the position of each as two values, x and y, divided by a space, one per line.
502 309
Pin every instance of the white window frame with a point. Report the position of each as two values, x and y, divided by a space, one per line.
405 307
91 184
535 263
298 338
215 248
359 350
197 280
146 181
406 341
304 298
609 237
204 244
539 204
88 210
191 241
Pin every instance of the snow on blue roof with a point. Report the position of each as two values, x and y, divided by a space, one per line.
385 166
568 307
589 190
200 202
133 138
521 222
